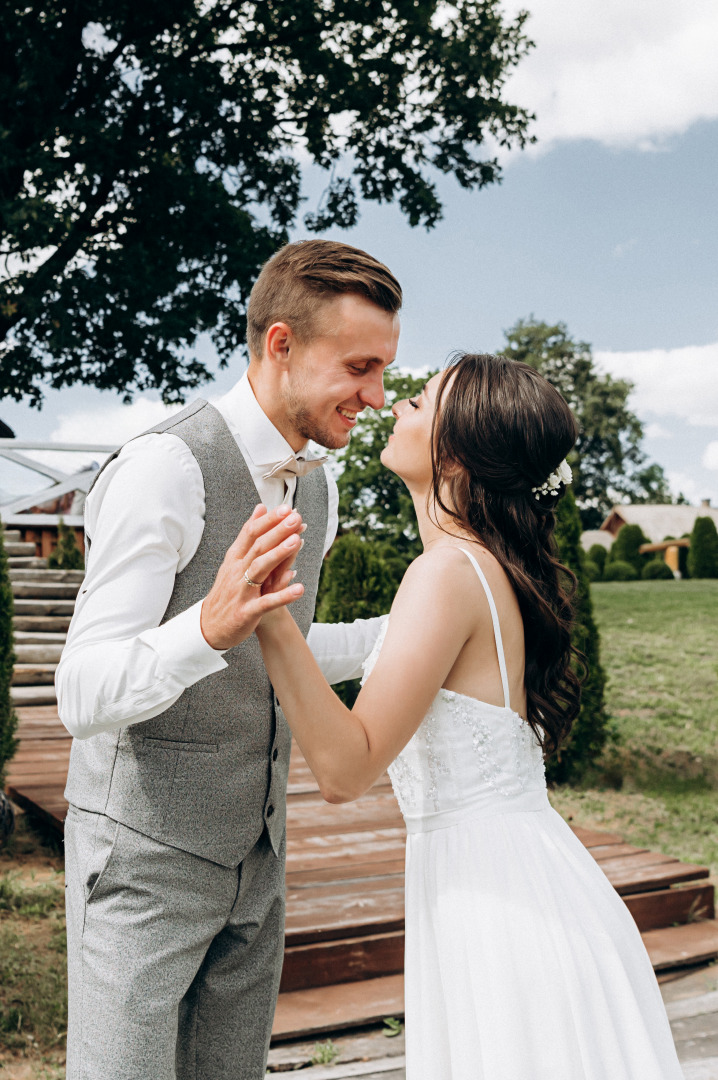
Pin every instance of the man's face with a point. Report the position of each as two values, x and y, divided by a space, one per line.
334 377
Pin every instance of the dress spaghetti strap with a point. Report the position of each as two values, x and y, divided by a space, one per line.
497 628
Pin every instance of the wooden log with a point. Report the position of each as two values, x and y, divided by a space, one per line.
44 607
34 674
57 624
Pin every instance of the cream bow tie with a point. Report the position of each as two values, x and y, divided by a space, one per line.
291 466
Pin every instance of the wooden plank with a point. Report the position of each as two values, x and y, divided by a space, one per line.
680 946
307 1013
330 963
664 907
356 872
614 851
592 838
657 877
344 909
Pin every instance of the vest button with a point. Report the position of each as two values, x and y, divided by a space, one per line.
270 810
275 754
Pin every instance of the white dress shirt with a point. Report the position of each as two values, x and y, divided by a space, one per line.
145 519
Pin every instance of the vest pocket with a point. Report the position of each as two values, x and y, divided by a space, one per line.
175 744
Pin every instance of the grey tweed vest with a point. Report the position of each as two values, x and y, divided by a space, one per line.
209 773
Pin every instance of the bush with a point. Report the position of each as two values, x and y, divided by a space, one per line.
657 569
67 555
620 571
625 547
358 581
591 730
703 552
593 570
8 716
598 554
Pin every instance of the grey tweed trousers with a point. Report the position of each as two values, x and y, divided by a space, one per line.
174 961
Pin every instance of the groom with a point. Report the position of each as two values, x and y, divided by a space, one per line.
175 835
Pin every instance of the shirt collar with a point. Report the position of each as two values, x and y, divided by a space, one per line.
249 423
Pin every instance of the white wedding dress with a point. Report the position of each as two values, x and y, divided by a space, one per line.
522 962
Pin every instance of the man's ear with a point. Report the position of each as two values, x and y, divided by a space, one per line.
277 343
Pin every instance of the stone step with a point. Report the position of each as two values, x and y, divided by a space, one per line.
45 590
47 575
12 536
37 654
26 562
56 624
19 548
34 674
33 695
44 607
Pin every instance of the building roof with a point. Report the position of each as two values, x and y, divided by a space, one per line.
658 520
596 536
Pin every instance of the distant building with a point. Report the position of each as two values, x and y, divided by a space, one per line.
657 520
595 536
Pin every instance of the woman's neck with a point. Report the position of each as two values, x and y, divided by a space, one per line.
436 527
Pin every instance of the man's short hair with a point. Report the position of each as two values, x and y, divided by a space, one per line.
297 281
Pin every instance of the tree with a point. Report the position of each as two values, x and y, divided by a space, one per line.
150 160
591 730
8 716
608 461
373 502
625 547
66 555
703 552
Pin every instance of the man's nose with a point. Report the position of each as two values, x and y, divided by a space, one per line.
372 391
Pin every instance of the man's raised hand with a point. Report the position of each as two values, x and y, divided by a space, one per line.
263 553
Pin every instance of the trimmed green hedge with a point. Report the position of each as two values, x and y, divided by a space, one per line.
620 570
598 554
703 552
625 548
657 570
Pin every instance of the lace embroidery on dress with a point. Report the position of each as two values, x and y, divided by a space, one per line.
465 710
405 782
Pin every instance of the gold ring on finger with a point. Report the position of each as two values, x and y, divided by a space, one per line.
252 584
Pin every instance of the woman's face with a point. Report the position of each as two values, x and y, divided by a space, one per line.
408 452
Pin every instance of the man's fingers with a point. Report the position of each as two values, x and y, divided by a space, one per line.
261 522
272 601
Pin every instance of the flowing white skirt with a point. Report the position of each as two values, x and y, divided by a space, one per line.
522 962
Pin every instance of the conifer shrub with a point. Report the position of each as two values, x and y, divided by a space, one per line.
8 716
67 555
625 547
591 730
598 554
620 570
657 570
703 552
593 570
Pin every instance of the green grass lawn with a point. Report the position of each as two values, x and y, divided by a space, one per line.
659 646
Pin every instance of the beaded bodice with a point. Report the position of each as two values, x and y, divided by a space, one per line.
467 757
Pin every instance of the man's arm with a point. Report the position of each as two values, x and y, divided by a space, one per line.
340 649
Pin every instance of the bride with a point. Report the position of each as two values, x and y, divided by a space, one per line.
522 962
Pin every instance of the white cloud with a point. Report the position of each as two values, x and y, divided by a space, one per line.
625 73
680 383
657 431
113 424
710 456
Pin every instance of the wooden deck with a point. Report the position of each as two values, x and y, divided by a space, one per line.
345 882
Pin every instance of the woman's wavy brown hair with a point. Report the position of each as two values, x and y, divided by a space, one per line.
499 430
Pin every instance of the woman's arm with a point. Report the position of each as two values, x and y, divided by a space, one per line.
347 750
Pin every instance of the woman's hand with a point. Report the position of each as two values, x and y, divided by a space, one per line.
254 578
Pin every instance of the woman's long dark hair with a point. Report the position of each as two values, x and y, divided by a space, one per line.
507 429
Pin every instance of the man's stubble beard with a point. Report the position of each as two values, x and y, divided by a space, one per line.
309 427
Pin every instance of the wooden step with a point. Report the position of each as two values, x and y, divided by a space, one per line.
37 654
18 549
665 907
33 695
682 946
45 590
308 1013
74 576
28 637
327 963
54 624
34 674
12 536
343 909
29 562
645 872
44 607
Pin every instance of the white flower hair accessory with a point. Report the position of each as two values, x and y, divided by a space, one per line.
551 486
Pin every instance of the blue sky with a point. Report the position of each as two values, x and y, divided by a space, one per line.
610 224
